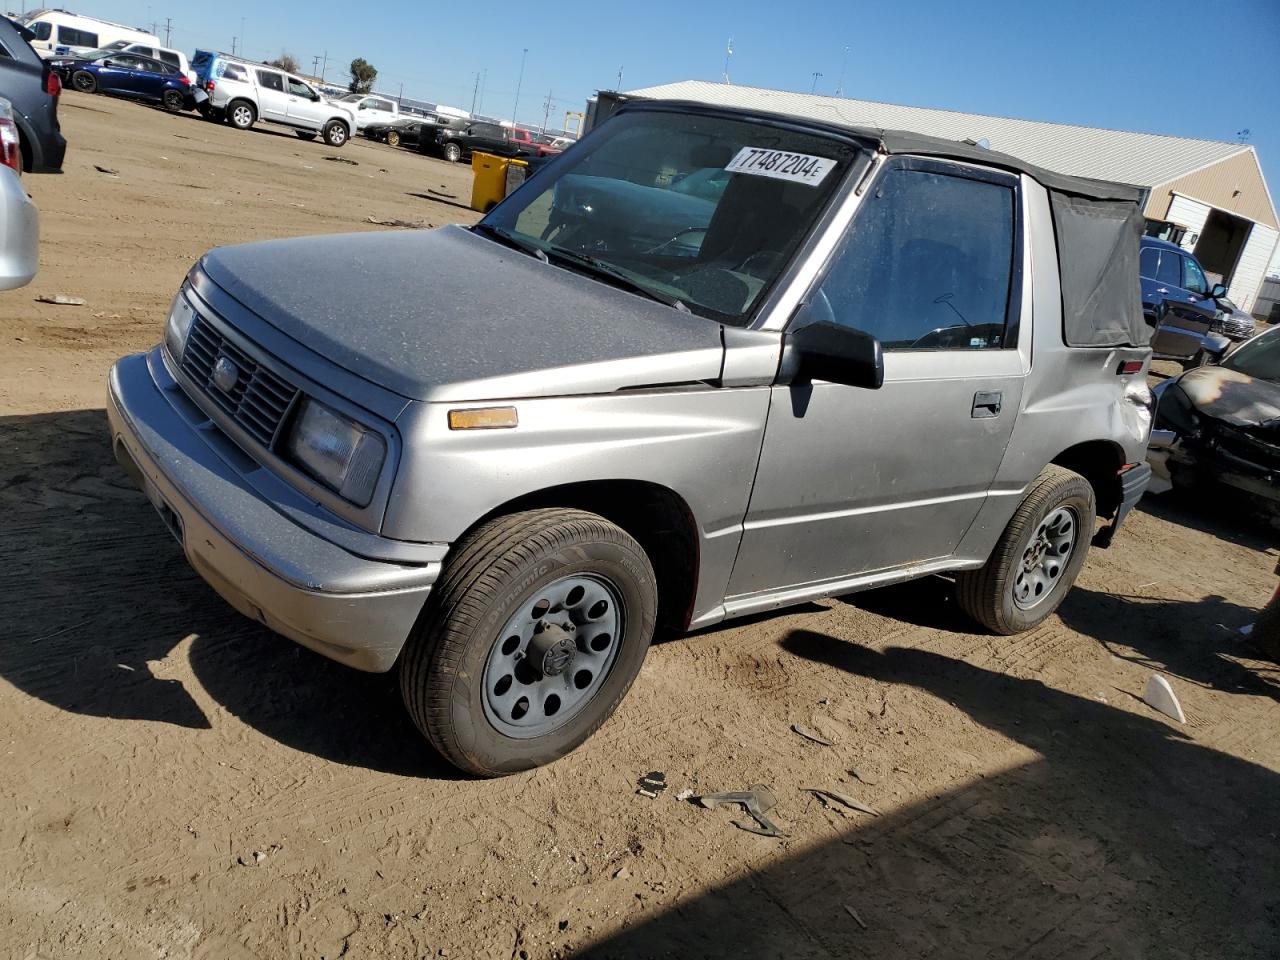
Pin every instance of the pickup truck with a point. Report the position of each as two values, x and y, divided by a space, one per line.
370 108
501 457
456 139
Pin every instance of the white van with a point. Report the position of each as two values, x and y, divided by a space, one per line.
62 34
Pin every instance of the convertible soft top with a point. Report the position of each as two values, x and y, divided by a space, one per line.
1097 223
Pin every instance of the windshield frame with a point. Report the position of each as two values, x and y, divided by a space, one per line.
863 152
1271 335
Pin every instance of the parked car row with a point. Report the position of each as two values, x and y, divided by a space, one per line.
455 138
131 75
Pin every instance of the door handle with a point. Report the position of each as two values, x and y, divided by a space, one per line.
1162 290
986 405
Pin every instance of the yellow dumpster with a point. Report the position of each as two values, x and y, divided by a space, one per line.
495 177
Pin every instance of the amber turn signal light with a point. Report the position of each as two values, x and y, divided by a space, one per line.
483 418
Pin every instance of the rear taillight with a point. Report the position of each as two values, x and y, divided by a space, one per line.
184 80
1129 366
208 86
10 152
53 84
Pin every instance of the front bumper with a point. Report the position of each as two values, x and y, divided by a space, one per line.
352 609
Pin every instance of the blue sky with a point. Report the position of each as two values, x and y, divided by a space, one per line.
1176 67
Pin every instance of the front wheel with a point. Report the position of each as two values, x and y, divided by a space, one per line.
452 152
335 133
84 81
1036 559
393 138
533 635
173 101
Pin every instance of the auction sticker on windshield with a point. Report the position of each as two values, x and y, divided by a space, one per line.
781 165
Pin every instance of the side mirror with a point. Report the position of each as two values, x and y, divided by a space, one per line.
108 62
315 97
1219 290
828 351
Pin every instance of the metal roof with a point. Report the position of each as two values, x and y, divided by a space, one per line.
1138 159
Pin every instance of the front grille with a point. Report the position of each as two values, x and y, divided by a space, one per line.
1248 447
1234 326
257 401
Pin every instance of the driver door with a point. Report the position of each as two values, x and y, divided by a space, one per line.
854 481
303 108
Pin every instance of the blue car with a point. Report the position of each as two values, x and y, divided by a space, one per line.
1179 304
129 75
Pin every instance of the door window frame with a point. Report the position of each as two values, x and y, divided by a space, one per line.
964 171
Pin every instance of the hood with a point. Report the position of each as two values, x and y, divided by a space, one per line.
1232 397
449 315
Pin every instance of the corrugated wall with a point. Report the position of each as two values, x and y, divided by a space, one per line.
1217 186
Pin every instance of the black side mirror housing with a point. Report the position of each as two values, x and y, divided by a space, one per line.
829 351
1218 290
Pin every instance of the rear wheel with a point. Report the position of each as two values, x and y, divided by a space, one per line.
305 134
452 152
84 81
1037 558
173 101
533 635
241 114
335 133
393 138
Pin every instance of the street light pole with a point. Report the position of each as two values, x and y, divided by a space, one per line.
816 75
516 106
844 58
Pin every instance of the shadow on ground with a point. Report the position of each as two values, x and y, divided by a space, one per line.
1124 839
98 594
1219 513
1197 641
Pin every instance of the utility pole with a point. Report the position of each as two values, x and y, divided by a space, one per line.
168 27
233 46
844 57
324 66
728 52
619 86
546 111
816 75
400 99
475 92
315 65
516 106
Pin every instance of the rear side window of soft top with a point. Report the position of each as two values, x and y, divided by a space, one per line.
233 71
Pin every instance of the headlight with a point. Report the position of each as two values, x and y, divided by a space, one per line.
338 452
178 326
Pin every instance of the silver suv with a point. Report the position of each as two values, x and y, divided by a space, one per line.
242 93
707 363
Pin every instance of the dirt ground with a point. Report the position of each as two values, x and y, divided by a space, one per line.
180 783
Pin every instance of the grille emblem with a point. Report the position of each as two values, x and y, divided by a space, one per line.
225 374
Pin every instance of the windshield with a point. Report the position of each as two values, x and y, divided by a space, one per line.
701 210
1258 358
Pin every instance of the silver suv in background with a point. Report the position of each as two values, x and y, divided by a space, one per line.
709 363
242 93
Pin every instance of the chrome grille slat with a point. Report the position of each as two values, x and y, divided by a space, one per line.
260 398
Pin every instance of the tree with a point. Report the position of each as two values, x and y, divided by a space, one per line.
363 73
285 62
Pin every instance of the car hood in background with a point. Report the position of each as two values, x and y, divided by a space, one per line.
1232 397
449 315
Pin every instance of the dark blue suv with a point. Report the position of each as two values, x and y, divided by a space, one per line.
1179 304
129 75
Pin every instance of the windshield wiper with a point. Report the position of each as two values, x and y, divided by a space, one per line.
509 239
619 278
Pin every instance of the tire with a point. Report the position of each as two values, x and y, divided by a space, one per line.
241 114
1003 595
1266 630
335 133
452 152
173 101
305 134
492 589
84 81
393 138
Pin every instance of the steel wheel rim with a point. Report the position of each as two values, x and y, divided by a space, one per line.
553 656
1045 558
241 116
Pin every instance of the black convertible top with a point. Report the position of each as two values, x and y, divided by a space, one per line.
1097 223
